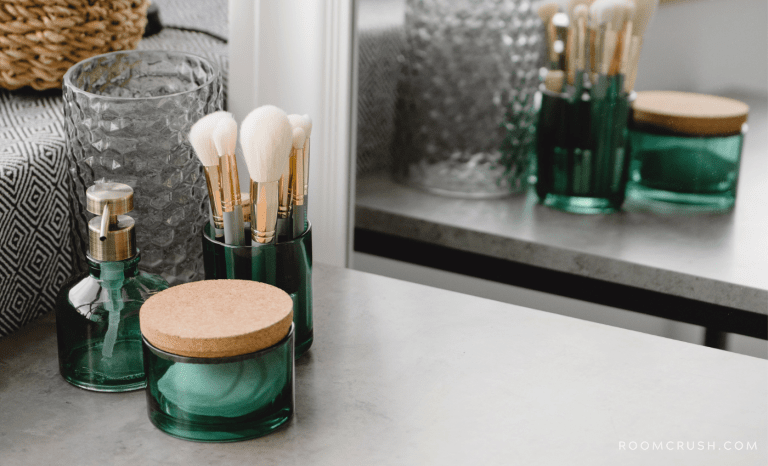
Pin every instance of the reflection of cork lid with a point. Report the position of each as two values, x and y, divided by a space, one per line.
692 114
216 318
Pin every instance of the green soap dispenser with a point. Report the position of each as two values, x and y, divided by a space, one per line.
97 313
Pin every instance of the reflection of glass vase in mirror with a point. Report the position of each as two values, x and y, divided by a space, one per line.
465 106
128 115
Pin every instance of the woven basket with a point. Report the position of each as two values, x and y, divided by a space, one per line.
41 39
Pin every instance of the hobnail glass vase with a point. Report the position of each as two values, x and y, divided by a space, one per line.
127 117
465 111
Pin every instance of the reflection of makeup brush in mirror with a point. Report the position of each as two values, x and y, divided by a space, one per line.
560 23
267 138
546 12
571 45
626 41
201 138
644 10
580 14
225 141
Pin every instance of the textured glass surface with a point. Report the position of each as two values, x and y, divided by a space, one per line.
221 399
464 117
97 320
698 171
127 119
582 165
286 265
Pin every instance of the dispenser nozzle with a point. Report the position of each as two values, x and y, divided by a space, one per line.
104 224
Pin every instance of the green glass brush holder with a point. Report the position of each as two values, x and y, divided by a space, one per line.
581 160
221 399
286 265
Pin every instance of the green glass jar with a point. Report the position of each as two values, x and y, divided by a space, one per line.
581 162
219 358
221 399
97 313
686 149
286 265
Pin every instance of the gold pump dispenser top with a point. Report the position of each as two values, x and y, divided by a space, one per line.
111 233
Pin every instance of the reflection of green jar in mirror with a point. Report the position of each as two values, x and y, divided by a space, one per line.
686 148
97 313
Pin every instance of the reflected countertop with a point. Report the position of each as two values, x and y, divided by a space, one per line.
718 258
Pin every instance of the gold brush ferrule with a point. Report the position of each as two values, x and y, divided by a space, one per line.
213 179
305 174
264 200
297 174
285 188
230 183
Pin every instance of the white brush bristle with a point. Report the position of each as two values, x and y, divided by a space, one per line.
225 136
267 137
301 121
598 11
560 20
299 138
201 138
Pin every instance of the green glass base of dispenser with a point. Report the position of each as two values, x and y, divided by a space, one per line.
221 399
85 369
286 265
582 205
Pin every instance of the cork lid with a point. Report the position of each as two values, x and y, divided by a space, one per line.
216 318
688 113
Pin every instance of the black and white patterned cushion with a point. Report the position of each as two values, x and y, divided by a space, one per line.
41 243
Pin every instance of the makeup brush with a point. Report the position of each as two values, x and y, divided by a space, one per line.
300 176
546 12
225 141
289 184
644 10
201 138
580 14
626 39
267 138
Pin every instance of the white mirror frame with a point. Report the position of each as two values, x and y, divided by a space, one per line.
300 56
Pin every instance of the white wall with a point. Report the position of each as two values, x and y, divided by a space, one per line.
708 46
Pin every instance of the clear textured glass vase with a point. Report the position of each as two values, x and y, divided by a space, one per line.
465 110
97 320
127 117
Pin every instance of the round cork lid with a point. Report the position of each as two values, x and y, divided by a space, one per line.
216 318
688 113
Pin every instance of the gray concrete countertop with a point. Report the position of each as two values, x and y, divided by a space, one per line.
410 375
714 258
